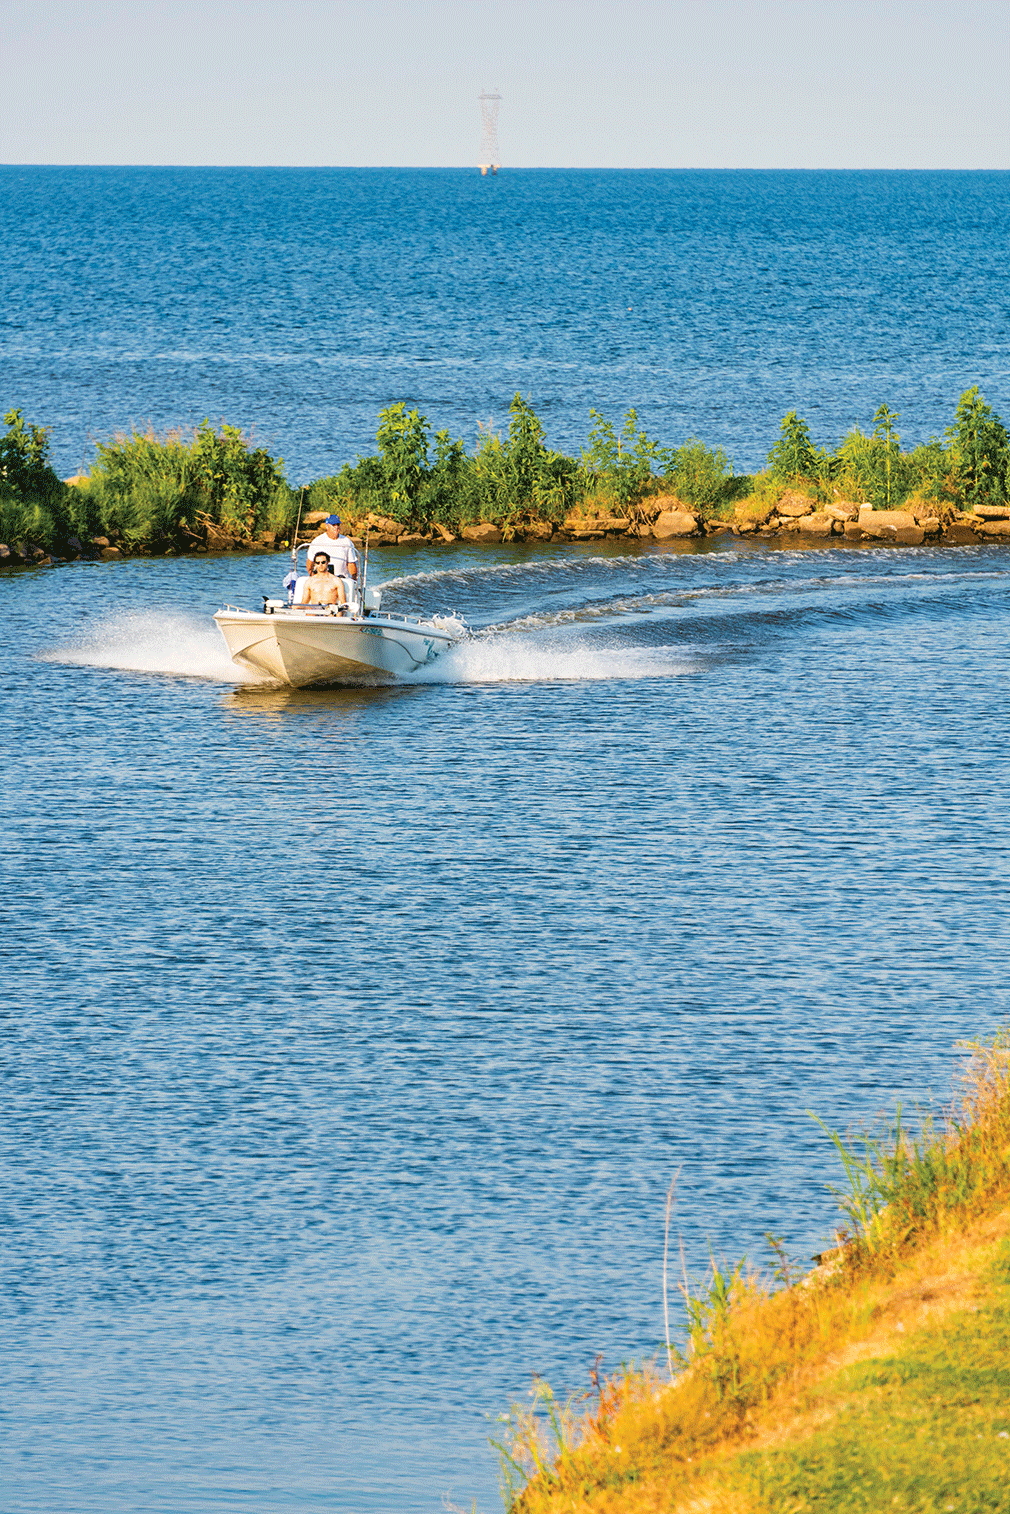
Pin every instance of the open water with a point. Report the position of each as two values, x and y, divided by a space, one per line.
299 302
350 1039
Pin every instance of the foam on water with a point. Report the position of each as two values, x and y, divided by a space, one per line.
183 646
664 565
542 643
541 567
154 641
507 657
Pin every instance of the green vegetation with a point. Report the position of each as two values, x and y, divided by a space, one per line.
506 480
168 493
915 1430
794 455
883 1372
872 469
517 478
212 489
145 492
33 501
981 448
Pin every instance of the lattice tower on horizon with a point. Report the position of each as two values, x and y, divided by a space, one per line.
489 154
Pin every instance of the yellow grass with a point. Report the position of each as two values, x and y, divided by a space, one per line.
767 1359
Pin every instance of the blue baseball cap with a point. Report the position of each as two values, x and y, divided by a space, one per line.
332 520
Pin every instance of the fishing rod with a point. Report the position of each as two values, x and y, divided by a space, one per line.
292 577
364 575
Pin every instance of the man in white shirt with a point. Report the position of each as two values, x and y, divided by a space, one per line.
339 549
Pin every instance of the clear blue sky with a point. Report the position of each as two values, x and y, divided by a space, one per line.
726 83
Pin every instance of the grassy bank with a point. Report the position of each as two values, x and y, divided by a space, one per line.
212 490
880 1379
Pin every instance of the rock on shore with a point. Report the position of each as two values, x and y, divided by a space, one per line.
674 523
660 518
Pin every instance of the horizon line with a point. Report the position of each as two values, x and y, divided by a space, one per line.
517 168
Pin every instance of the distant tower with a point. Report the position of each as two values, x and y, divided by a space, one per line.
489 156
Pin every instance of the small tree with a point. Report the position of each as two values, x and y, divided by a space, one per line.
441 496
24 461
883 430
601 458
622 465
33 499
403 444
525 450
699 475
520 475
982 450
794 454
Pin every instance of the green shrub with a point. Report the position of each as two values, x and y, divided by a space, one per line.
873 469
794 454
403 448
151 489
621 466
33 499
444 489
932 464
520 475
499 482
24 462
26 523
391 483
981 450
702 476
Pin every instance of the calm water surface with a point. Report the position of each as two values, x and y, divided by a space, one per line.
351 1038
302 301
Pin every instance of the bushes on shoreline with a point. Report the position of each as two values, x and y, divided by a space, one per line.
145 493
516 477
34 503
507 478
212 489
174 492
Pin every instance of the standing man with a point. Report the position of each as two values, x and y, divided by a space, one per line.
339 549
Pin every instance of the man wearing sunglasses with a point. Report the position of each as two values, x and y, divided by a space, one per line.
321 587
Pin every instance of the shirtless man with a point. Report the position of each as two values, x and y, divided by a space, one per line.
322 588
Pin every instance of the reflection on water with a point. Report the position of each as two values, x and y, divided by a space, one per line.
356 1033
340 705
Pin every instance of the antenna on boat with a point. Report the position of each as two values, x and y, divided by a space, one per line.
364 574
298 522
292 577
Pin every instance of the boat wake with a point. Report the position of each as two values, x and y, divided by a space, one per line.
177 645
172 644
500 656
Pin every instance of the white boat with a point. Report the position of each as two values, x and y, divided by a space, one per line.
303 645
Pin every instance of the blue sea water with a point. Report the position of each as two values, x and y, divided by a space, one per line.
300 302
351 1038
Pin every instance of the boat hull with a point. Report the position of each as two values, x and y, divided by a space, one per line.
301 650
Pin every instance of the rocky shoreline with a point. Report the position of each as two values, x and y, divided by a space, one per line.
665 518
794 517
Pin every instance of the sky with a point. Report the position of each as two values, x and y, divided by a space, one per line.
639 84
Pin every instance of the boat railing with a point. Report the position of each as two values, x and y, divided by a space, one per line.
329 612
